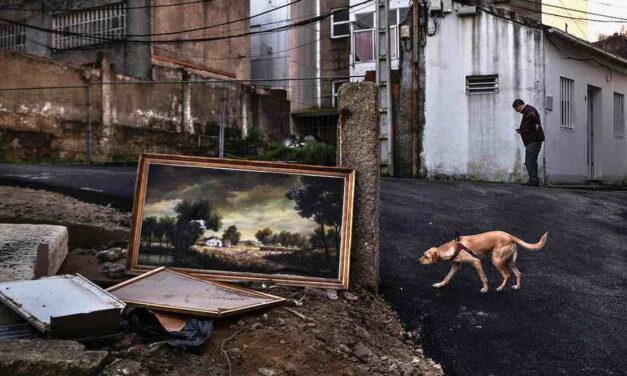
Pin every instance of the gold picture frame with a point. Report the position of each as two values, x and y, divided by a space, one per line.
309 246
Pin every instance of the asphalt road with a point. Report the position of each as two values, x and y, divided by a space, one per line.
569 318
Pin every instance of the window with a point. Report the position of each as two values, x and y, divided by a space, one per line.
12 37
336 89
486 84
340 23
363 34
105 22
395 18
363 37
566 102
619 115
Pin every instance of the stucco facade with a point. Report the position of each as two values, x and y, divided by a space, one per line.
472 135
149 21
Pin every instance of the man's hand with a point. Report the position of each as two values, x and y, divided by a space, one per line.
518 130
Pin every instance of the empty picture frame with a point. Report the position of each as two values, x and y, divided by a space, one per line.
235 220
165 290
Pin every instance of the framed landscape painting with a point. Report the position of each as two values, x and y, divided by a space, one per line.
235 220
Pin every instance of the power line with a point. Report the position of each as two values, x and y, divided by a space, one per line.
19 8
623 20
178 41
572 9
216 25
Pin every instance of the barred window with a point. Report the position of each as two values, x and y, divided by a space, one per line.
12 37
107 22
619 115
567 89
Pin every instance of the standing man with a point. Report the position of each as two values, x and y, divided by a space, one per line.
532 136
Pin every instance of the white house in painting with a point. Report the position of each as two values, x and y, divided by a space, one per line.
213 242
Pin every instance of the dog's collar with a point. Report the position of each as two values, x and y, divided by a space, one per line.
459 247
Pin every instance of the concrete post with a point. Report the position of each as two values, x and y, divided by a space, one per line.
358 148
106 92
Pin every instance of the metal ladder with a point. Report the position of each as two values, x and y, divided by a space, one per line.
383 78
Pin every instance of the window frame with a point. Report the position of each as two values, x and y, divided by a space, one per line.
619 115
482 84
567 96
98 21
354 32
334 93
334 23
12 37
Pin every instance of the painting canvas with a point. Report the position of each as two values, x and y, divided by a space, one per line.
243 220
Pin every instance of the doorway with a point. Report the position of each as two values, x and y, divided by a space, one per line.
594 113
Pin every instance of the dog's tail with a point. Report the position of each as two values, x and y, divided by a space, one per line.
534 247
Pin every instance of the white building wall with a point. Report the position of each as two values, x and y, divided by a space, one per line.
360 68
567 149
473 136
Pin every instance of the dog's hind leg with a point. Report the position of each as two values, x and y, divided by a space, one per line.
454 268
517 273
500 266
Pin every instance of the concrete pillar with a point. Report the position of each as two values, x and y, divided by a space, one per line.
106 92
358 148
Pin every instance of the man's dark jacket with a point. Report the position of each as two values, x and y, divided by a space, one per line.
528 130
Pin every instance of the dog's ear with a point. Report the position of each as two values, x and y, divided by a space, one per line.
435 255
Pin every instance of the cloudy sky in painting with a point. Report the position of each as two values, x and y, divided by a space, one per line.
249 200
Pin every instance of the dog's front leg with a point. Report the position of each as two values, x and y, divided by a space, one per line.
454 268
484 280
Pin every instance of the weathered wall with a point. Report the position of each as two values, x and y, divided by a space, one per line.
269 52
567 149
334 55
219 58
132 60
126 119
304 57
473 136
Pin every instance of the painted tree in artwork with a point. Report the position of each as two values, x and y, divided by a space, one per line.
232 235
192 220
264 236
320 200
149 226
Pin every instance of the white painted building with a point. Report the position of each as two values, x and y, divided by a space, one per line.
363 35
477 64
269 55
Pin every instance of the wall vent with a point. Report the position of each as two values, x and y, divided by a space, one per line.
485 84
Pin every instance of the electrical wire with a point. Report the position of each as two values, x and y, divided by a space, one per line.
19 8
622 20
573 10
178 41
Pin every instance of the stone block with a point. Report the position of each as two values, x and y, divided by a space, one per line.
48 358
31 251
358 148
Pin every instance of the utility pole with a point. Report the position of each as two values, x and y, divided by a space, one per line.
383 77
222 122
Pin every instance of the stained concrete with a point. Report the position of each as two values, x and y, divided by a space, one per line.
358 148
48 358
19 244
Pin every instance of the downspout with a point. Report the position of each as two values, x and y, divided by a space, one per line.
318 83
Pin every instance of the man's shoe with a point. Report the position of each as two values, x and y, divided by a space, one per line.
530 184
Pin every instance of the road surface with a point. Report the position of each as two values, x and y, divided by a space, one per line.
569 318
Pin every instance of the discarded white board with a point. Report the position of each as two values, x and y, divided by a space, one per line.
64 306
166 290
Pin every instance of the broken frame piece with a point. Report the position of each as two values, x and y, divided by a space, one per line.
67 306
167 290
